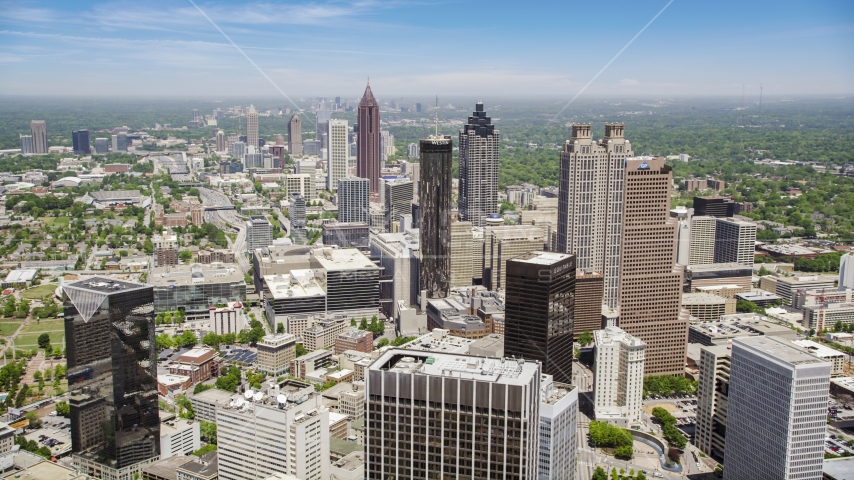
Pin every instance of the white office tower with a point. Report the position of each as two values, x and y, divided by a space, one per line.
777 416
397 199
440 415
354 200
276 430
558 430
413 171
735 241
590 202
338 153
702 247
846 271
39 133
252 127
618 376
712 400
386 144
259 233
412 150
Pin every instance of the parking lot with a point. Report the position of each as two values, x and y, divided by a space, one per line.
836 446
54 434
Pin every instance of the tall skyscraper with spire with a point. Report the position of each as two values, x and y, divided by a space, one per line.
478 168
368 139
252 127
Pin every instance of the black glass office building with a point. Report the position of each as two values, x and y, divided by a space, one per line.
80 142
112 374
435 212
539 311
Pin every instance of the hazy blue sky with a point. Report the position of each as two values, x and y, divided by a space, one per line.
415 47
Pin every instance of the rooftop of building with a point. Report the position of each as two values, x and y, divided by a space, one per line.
197 355
353 333
737 221
401 242
230 307
315 355
193 274
610 335
22 275
818 349
754 295
702 299
296 284
171 379
105 285
175 425
781 350
165 468
790 249
277 340
831 306
439 340
345 225
284 253
206 465
351 462
740 324
492 342
213 395
503 370
838 468
338 259
555 392
516 232
716 267
718 350
807 279
541 258
104 195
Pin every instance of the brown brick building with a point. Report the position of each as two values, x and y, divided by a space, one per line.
588 301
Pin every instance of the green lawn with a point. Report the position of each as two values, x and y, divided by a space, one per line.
29 336
55 221
39 291
8 326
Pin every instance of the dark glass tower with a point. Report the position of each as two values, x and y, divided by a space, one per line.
478 168
714 206
80 142
112 372
369 153
539 311
435 209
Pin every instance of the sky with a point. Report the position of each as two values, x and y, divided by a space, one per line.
178 48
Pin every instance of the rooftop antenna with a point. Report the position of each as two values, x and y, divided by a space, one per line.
437 115
760 99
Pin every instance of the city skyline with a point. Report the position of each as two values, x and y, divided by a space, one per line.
735 45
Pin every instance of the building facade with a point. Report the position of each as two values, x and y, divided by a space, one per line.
735 241
618 369
590 202
702 240
588 302
777 413
479 141
354 197
462 256
295 136
558 430
109 326
259 233
425 390
338 153
369 154
252 127
650 279
435 222
538 311
276 352
38 130
397 200
712 400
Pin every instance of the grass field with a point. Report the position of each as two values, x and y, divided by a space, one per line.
39 291
29 337
8 326
55 221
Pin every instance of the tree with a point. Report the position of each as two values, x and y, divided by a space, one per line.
185 408
35 421
352 322
10 307
280 327
745 306
63 408
201 387
300 350
208 431
163 341
764 271
585 338
363 325
640 476
212 340
148 247
188 339
185 255
23 308
599 474
624 452
44 342
383 343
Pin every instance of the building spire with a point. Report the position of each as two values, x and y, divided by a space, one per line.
369 81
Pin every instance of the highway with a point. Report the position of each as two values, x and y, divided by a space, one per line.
228 221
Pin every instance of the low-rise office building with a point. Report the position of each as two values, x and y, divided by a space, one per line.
618 376
715 274
199 363
728 327
179 437
194 288
707 307
275 353
353 339
835 357
822 317
228 319
324 332
205 403
304 365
